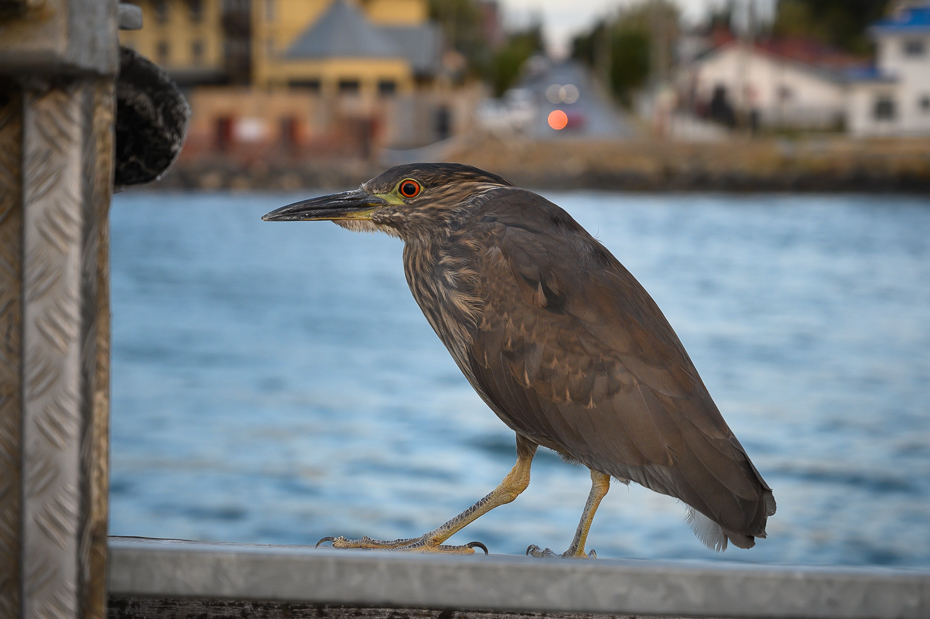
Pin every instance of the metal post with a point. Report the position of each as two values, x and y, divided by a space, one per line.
58 63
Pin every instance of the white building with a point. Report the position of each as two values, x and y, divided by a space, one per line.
893 98
779 83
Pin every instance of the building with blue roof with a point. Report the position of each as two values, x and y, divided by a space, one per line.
906 20
892 98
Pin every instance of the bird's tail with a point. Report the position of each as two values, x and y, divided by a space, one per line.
709 532
715 537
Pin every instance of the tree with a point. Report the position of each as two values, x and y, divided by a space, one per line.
462 23
721 16
462 26
505 65
636 44
840 23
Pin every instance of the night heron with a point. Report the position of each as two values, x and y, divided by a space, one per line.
561 342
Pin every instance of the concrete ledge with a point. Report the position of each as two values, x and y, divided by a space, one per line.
179 569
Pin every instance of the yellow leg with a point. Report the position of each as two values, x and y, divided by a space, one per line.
513 484
600 484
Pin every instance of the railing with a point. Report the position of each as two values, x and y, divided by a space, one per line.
171 569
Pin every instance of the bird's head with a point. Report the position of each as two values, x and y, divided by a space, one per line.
409 201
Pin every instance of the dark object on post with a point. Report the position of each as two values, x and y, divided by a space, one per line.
151 120
562 343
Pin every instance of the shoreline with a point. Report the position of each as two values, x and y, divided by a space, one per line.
824 165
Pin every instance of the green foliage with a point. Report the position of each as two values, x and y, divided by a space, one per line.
585 46
629 62
633 45
841 23
721 16
462 26
503 69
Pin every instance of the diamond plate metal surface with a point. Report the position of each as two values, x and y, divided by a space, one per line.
52 327
67 167
58 63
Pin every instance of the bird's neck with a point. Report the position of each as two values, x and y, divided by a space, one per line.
442 277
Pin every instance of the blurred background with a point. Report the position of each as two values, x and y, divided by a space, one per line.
762 167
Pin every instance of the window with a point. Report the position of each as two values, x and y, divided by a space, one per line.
785 93
196 7
348 87
290 131
161 11
197 51
443 123
235 6
164 52
914 47
224 133
924 104
269 46
313 85
386 88
269 10
884 109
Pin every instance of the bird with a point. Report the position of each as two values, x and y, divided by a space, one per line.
561 342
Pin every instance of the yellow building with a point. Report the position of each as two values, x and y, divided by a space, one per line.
325 75
186 37
367 48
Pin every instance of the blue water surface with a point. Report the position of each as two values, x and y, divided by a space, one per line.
276 382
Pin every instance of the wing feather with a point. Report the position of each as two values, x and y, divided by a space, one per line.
573 354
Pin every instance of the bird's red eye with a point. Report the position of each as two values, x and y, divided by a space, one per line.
409 189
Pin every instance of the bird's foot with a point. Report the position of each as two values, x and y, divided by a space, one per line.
412 544
546 553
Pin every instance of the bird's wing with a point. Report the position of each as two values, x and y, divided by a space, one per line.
573 353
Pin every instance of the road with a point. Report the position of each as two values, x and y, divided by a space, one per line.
592 115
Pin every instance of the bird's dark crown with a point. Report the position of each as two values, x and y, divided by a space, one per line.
432 176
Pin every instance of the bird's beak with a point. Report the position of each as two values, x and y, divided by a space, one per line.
356 204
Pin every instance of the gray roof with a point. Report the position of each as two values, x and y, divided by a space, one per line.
343 31
420 45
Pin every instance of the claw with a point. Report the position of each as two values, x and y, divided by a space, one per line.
477 545
536 551
325 539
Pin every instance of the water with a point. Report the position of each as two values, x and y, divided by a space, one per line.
276 383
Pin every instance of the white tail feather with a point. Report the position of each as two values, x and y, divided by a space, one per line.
706 530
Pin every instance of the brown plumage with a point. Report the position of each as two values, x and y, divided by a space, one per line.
560 341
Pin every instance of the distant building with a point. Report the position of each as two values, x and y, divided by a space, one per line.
492 23
315 78
370 48
365 47
196 41
778 83
893 96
